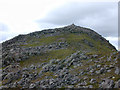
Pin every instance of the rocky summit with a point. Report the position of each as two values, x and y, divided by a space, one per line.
67 57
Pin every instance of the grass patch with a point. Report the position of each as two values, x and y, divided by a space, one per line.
45 57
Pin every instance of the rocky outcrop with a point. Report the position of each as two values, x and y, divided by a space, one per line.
107 83
61 74
117 71
68 57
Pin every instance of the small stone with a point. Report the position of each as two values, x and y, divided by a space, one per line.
71 86
32 67
98 66
82 83
32 85
113 77
117 71
92 70
90 86
108 70
92 81
97 72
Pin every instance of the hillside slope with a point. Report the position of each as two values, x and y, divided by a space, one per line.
66 57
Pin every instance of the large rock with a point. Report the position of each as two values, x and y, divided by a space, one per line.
107 83
117 84
117 71
92 81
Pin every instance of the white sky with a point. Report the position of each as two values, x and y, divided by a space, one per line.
20 16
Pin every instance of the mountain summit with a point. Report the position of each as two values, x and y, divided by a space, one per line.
67 57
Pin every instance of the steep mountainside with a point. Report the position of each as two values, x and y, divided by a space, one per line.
68 57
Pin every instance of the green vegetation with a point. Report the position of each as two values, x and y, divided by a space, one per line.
73 39
80 54
45 57
75 42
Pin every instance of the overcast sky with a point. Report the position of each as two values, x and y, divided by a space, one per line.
25 16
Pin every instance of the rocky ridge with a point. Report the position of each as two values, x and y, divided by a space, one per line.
68 57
